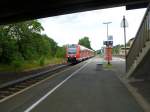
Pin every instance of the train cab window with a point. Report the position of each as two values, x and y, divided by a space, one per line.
72 46
72 51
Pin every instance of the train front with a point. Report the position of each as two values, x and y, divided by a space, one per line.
71 54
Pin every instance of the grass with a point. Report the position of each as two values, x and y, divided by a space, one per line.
107 66
4 68
31 65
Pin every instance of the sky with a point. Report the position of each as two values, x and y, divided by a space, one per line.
68 29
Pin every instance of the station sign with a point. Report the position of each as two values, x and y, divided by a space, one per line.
124 23
108 43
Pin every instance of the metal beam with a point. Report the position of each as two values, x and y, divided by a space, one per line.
137 6
14 10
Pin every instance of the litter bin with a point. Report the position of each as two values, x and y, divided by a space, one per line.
99 66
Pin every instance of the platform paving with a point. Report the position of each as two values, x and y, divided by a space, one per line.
92 89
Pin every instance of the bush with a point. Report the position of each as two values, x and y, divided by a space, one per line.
60 53
42 61
9 50
17 62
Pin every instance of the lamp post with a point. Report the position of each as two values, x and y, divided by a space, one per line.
107 27
107 41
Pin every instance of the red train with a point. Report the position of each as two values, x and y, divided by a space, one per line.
76 53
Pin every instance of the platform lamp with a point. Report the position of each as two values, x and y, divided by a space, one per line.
107 23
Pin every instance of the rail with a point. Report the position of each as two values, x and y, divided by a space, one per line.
142 36
13 82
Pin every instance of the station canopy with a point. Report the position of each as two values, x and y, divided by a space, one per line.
20 10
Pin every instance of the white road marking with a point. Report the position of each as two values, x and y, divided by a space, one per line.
56 87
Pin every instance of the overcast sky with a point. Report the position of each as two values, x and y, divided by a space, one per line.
68 29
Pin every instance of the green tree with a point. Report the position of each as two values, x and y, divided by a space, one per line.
22 29
14 36
61 52
116 49
23 42
52 44
85 42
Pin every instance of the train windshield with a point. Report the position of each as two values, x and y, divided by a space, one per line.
72 49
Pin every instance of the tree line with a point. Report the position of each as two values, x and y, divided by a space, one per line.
23 41
85 42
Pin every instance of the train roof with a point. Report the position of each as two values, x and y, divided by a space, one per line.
82 47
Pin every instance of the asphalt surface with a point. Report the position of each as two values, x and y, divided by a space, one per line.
89 88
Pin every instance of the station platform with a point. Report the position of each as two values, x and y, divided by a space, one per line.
86 87
92 89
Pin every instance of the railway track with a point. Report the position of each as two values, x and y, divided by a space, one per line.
12 87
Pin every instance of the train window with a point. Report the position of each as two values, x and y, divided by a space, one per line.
72 51
72 46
